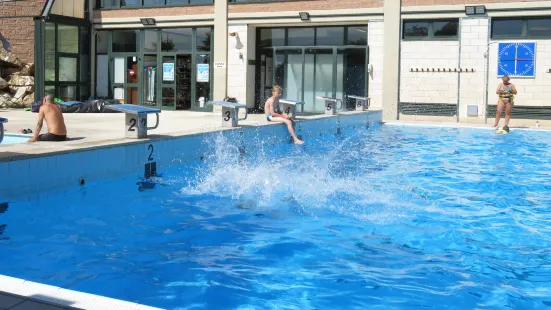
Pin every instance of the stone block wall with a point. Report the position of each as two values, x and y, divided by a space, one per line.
474 46
429 87
375 33
237 63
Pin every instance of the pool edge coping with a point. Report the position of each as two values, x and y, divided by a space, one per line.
7 155
49 294
458 125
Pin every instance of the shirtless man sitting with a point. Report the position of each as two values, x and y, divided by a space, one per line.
272 116
54 120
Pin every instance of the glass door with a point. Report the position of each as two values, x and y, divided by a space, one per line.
150 81
319 72
288 72
168 83
126 79
183 82
351 75
201 74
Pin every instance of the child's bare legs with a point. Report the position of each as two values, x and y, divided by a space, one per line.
500 106
289 127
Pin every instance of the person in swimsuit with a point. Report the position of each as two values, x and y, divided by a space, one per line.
50 112
272 116
506 92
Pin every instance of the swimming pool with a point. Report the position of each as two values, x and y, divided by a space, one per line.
390 217
13 139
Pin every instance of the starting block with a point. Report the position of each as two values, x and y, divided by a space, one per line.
330 105
135 119
230 112
362 103
289 107
2 122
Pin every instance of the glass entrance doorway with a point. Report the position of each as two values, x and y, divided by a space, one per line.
164 68
126 78
318 70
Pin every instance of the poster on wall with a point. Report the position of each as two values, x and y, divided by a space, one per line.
202 72
168 71
516 59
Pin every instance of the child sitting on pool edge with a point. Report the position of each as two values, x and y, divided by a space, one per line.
272 116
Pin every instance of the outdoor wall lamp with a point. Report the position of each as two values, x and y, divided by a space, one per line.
304 15
232 34
475 10
148 21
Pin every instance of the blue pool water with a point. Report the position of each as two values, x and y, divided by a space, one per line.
13 139
386 218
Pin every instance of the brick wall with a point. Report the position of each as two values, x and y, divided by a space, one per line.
17 28
303 5
375 40
428 87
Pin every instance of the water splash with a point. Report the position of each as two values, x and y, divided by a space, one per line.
327 180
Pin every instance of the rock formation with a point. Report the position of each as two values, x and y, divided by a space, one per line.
16 81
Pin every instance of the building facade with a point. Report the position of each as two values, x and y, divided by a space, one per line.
420 59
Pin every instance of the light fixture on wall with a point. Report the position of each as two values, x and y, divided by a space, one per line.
480 10
148 21
304 15
475 10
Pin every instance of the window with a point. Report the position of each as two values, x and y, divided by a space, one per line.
356 35
430 30
176 40
330 36
511 27
272 37
521 27
66 57
300 36
204 39
125 41
313 36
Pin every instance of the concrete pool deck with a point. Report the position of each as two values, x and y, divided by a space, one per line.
103 129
